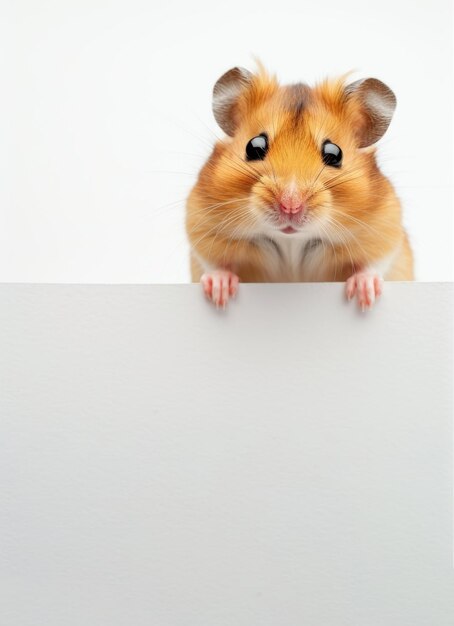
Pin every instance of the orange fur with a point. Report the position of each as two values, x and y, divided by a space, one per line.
353 212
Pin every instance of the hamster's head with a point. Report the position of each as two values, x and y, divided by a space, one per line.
297 160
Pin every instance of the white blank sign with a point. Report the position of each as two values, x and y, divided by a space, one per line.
285 462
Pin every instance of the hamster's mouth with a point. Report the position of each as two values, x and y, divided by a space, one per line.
289 230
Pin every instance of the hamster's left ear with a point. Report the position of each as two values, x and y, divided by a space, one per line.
378 104
225 96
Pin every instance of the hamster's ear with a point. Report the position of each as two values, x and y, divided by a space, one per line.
225 95
378 104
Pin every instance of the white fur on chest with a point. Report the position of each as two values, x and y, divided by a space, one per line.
292 259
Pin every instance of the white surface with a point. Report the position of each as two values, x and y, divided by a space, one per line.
286 462
105 119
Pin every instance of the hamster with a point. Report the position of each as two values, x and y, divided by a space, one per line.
293 193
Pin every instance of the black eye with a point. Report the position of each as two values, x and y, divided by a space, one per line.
257 148
331 154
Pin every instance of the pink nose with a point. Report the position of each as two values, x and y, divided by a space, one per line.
291 209
291 203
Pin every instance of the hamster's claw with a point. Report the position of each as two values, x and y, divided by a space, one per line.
367 286
219 286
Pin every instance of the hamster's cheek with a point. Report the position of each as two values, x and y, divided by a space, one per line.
262 198
320 206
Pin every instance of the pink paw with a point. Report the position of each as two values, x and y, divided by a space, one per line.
367 286
219 286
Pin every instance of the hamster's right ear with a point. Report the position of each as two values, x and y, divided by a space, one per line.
225 97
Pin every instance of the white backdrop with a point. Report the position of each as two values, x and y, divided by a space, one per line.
105 118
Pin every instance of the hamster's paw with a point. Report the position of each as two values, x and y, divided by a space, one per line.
367 286
219 286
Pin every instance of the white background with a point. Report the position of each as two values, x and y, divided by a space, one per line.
105 118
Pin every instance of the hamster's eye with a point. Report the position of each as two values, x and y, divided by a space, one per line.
331 154
257 148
